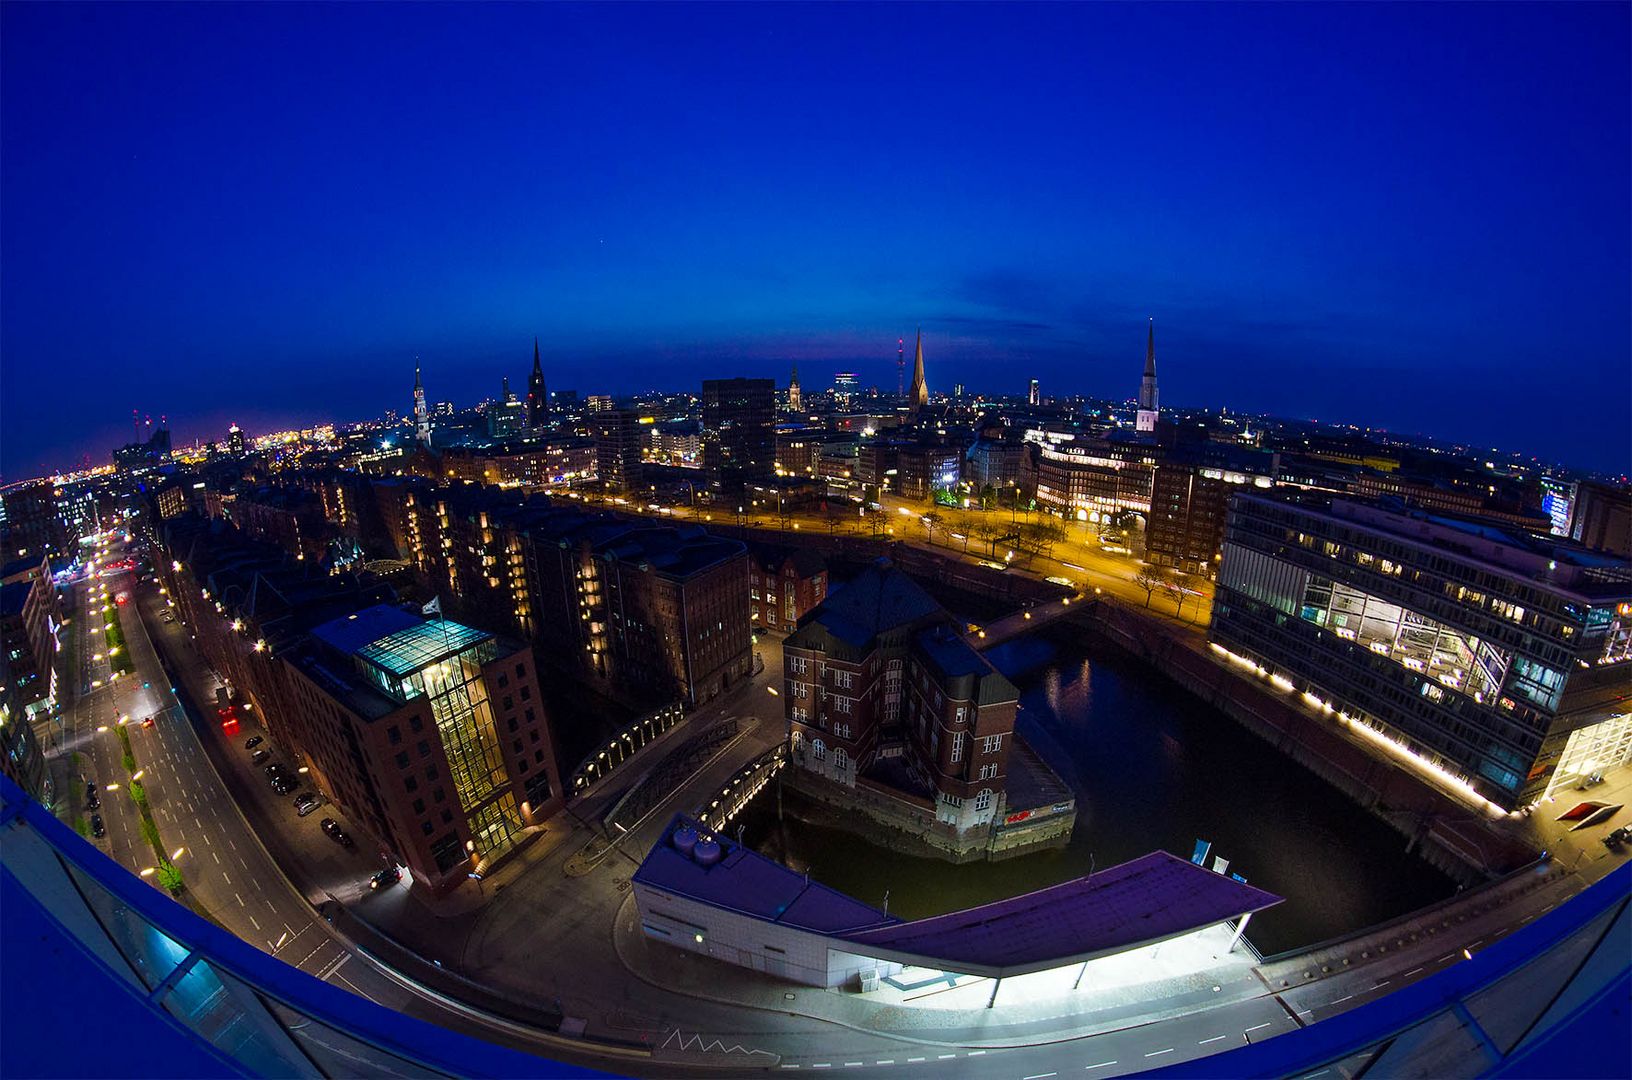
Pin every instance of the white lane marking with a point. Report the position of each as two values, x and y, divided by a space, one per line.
944 1057
232 844
240 899
886 1061
976 1053
1444 958
334 968
853 1064
354 989
256 924
314 952
912 1061
216 857
1038 1076
1342 999
226 877
1101 1065
242 863
822 1065
1215 1038
1382 983
1255 1027
1410 973
1159 1053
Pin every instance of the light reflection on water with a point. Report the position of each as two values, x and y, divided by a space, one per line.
1153 768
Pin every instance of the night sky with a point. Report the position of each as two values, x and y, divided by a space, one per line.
1414 217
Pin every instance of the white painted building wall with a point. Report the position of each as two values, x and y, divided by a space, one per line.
786 952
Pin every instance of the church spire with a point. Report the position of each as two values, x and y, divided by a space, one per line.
1149 411
919 396
538 402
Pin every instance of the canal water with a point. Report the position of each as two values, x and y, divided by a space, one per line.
1153 768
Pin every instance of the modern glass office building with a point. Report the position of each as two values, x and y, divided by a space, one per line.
1503 657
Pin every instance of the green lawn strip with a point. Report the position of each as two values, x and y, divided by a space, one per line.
167 876
118 654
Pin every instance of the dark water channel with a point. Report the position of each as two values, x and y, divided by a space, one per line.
1153 768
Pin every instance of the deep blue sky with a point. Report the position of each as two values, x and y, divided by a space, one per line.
1409 216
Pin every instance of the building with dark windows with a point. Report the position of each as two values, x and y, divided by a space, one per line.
617 448
1189 497
891 711
783 585
1602 518
1499 656
429 733
29 622
650 614
739 432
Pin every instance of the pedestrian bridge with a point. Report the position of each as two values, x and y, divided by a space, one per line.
1021 622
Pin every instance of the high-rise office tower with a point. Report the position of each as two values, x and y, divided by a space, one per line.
422 417
235 440
1496 654
1145 420
739 431
617 449
538 402
1034 395
919 396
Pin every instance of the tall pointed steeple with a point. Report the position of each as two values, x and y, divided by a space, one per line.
918 397
538 402
794 402
1149 411
422 415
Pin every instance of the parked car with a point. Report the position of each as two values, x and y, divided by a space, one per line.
306 802
254 742
1617 837
92 800
260 756
384 879
336 833
98 830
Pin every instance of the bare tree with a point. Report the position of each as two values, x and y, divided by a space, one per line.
1180 586
1150 578
932 521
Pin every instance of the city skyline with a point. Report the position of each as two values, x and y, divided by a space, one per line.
1312 233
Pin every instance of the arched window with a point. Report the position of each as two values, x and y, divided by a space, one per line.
818 748
840 758
983 801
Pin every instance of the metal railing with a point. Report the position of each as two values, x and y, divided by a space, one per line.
621 747
250 1011
737 792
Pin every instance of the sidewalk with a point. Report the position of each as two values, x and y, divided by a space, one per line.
1100 1005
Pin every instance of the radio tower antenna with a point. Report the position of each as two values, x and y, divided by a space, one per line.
900 367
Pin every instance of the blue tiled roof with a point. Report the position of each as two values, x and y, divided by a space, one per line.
351 633
746 881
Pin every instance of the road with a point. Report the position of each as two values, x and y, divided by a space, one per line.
544 937
1080 557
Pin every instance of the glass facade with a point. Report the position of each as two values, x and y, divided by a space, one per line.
1481 654
442 661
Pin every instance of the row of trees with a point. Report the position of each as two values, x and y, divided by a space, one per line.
1154 579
